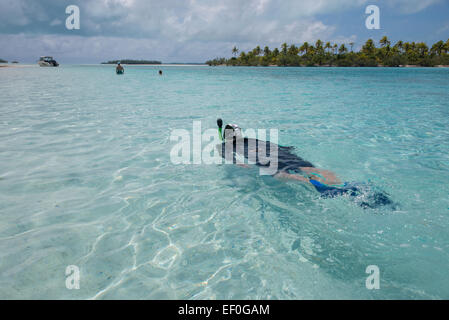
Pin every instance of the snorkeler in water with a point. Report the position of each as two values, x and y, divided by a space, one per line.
290 166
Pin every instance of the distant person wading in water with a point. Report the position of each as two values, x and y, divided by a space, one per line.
119 69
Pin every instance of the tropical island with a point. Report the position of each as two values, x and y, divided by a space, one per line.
3 61
130 61
334 55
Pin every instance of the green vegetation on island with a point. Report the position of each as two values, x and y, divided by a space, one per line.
3 61
328 54
130 61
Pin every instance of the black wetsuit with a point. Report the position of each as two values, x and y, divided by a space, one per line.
260 151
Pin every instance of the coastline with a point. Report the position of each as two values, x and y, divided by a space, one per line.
329 66
327 54
17 65
167 65
224 65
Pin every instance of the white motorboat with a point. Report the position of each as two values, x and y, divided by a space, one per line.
47 62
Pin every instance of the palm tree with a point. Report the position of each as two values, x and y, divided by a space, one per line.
266 51
293 50
438 47
235 51
284 48
385 50
257 51
384 42
352 45
328 46
422 49
335 48
319 57
407 47
311 50
369 47
305 47
342 49
399 45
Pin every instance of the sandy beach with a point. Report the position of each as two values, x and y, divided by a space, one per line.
17 65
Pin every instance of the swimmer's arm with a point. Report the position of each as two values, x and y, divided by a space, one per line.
285 175
220 152
226 153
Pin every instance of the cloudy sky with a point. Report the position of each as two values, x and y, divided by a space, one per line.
196 30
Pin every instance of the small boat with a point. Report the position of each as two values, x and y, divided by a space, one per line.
47 62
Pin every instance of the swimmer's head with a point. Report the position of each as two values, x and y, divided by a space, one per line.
232 131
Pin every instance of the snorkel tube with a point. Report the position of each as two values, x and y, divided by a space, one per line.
220 128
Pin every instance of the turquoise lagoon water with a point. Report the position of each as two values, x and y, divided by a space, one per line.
86 180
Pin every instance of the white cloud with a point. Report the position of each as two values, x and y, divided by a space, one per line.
12 13
171 29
